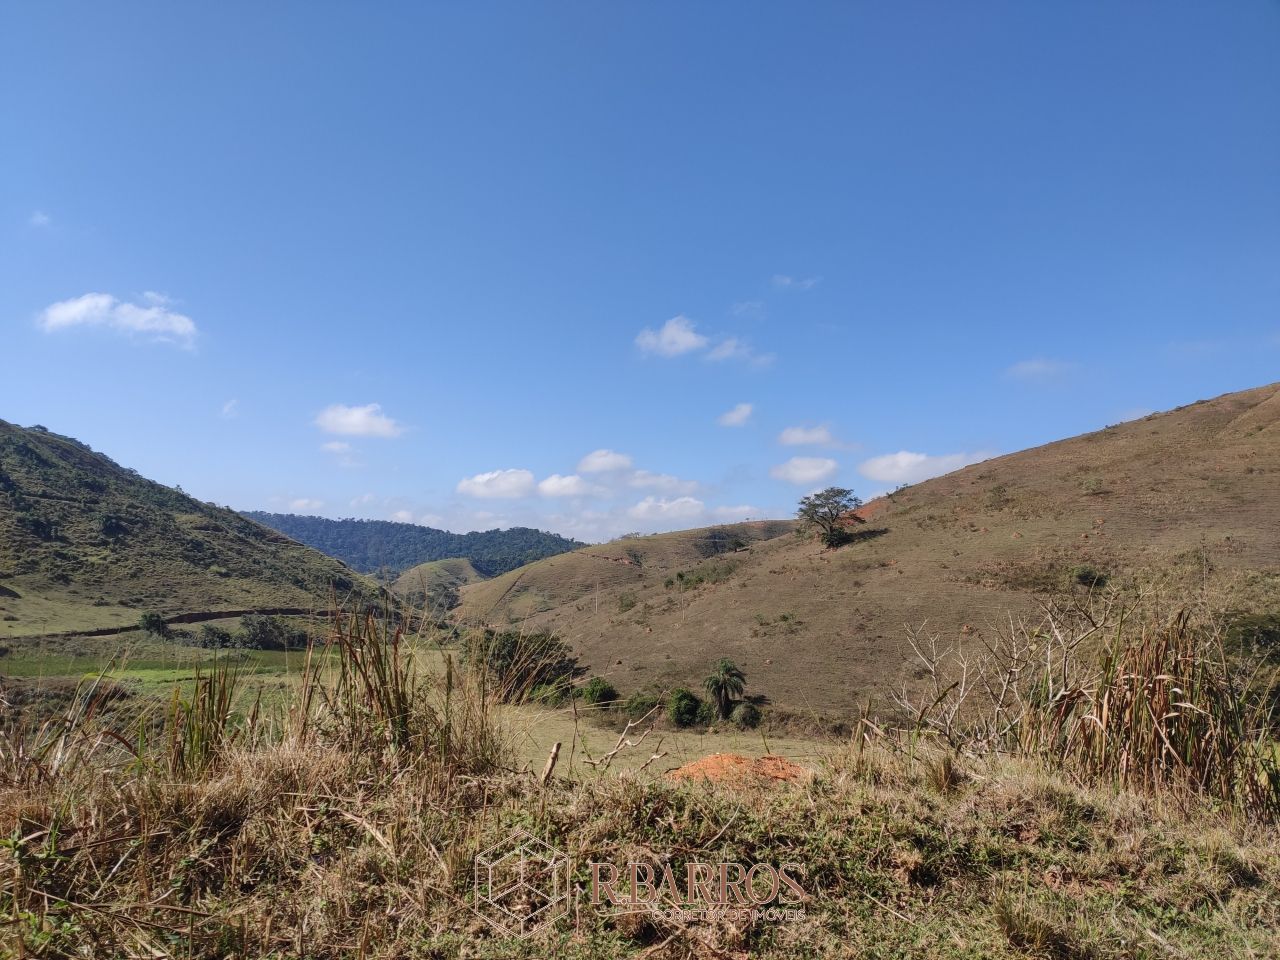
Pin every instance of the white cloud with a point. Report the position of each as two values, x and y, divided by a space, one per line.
654 508
784 282
731 348
229 409
303 504
806 437
364 499
431 520
366 421
744 512
805 471
336 446
39 219
751 309
498 485
675 337
571 485
604 461
908 467
643 479
737 417
403 516
1038 369
152 317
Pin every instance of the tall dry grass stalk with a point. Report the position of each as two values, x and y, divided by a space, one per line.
1112 689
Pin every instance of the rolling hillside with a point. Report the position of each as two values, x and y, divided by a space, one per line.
1194 493
433 586
87 544
382 546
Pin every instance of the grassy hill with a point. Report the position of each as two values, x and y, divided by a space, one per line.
434 585
1193 494
382 546
87 544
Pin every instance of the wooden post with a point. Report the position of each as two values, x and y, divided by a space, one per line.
551 763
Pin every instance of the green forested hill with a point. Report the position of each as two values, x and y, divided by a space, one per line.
87 544
383 545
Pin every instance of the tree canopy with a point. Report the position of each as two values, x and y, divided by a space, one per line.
825 512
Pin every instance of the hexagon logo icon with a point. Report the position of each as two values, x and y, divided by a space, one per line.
522 884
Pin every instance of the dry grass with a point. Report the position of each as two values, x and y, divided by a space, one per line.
1189 494
347 828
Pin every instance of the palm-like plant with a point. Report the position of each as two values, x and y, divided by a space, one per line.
728 681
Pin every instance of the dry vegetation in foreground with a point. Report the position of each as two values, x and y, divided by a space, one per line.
347 825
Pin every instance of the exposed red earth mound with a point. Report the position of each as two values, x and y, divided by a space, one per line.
737 769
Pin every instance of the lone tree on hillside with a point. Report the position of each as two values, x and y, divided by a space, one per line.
825 511
728 681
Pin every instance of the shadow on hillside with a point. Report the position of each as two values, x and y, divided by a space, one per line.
861 536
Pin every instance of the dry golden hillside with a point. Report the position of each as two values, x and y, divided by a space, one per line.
1192 493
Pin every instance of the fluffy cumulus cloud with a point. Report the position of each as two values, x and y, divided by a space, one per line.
805 471
806 437
664 510
735 514
1038 370
365 421
673 338
737 417
571 485
152 317
908 467
403 516
678 336
604 461
498 485
305 505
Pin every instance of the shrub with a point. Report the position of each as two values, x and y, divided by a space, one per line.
598 690
626 601
152 623
270 633
554 694
214 638
684 708
746 716
517 663
640 703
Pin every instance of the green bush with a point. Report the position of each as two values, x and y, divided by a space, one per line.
684 708
746 716
269 633
214 638
517 663
554 694
598 690
154 624
640 703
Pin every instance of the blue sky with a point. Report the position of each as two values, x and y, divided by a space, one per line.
610 267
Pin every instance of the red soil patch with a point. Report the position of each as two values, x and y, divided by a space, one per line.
735 768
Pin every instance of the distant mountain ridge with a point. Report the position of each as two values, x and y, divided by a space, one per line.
86 545
376 545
